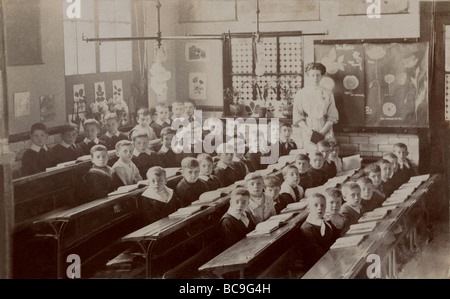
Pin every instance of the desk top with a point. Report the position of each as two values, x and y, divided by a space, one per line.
347 262
245 252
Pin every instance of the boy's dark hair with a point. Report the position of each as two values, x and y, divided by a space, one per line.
189 162
390 156
401 145
286 168
316 66
38 126
122 143
324 143
334 192
158 170
204 156
302 157
286 124
69 128
91 121
272 181
364 180
138 133
371 168
167 131
190 101
383 161
239 191
98 148
143 111
350 186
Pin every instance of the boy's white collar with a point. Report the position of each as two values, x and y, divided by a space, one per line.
37 148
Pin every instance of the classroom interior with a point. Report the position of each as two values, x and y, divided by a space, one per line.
55 67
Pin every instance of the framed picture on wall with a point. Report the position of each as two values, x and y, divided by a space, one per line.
197 86
289 10
196 52
197 11
48 111
21 104
362 7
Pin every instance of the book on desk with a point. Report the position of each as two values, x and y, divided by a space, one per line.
361 228
377 214
264 228
187 211
128 188
296 206
348 241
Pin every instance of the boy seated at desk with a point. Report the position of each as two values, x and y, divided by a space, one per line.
334 156
291 191
206 167
157 201
144 118
395 180
259 146
302 163
227 171
261 206
100 179
316 170
405 168
237 222
286 144
143 157
316 234
112 135
91 130
177 109
67 150
37 158
125 168
329 167
386 185
162 119
351 209
166 156
373 172
240 160
333 210
272 187
370 200
190 187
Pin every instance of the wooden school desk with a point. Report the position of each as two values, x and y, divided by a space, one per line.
349 261
248 251
71 227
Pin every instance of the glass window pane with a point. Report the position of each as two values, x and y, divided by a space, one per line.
123 49
107 49
123 11
106 10
70 48
86 51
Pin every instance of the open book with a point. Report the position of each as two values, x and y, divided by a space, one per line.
84 158
361 228
286 159
61 165
376 214
395 199
349 241
283 218
296 152
264 228
187 211
419 178
351 162
126 189
209 196
172 171
296 206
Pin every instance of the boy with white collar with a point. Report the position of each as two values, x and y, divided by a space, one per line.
351 209
91 129
112 135
226 170
237 222
158 200
162 119
290 188
143 157
261 205
316 234
405 169
67 150
37 157
206 168
286 144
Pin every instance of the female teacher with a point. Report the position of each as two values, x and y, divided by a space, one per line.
314 107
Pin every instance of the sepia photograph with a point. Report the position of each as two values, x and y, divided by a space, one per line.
224 139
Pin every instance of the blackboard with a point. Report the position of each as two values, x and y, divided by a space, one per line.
23 32
389 88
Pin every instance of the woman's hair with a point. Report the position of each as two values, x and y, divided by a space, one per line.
316 66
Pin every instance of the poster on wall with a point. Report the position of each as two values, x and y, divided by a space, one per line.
48 109
197 86
21 104
290 10
352 7
345 66
396 85
117 104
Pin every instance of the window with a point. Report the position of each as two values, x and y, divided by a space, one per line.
282 60
103 18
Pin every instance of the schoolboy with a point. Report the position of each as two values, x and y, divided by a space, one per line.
373 172
386 185
370 200
162 119
405 168
227 171
206 168
272 188
316 170
302 163
240 160
144 118
290 189
316 234
334 156
177 109
112 135
334 203
37 158
125 168
91 130
237 222
100 179
143 157
286 144
189 108
190 187
329 167
67 150
165 155
395 180
158 200
261 205
351 209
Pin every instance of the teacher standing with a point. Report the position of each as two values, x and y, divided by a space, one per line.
314 107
